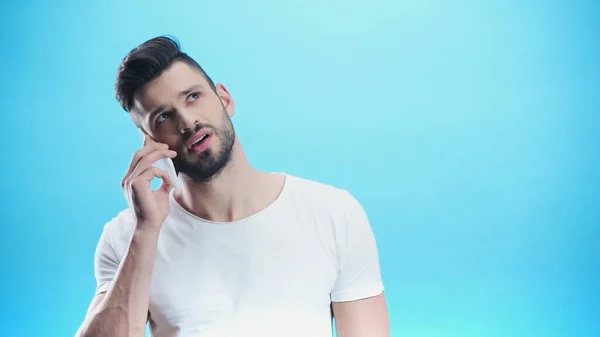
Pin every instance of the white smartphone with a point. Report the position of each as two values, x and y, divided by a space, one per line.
165 164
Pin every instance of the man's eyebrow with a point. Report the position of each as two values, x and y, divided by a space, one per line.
190 89
158 110
183 93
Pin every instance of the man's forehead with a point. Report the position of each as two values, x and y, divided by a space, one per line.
168 87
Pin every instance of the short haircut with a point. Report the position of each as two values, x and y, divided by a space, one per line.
147 62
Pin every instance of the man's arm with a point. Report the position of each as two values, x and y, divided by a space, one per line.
357 299
362 318
122 311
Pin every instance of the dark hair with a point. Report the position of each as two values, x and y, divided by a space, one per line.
147 62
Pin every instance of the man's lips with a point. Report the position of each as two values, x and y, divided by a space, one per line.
197 136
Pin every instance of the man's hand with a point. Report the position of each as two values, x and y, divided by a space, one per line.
150 207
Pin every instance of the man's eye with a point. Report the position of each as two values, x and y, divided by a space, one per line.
161 118
194 96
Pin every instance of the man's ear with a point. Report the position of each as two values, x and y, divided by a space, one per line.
226 99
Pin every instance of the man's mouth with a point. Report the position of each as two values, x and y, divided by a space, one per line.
199 140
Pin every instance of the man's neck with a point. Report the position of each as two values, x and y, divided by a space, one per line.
236 193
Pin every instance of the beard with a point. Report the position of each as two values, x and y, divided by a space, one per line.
207 165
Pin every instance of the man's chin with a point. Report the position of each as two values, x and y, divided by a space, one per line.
197 170
200 167
191 162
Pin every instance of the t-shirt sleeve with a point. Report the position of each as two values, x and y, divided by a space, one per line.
105 262
358 261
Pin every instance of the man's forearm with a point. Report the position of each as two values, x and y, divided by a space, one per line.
123 311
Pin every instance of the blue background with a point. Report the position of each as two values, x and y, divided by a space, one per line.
469 130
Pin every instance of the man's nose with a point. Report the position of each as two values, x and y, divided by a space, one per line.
187 122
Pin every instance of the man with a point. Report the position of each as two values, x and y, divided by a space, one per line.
232 251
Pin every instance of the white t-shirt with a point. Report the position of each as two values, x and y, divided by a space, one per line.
272 274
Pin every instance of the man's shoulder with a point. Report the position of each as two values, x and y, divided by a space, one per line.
321 193
312 186
121 225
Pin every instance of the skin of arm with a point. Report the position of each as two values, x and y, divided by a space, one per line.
122 311
362 318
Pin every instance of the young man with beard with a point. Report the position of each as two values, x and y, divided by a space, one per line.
233 251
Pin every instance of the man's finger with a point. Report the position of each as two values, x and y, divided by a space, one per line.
143 152
151 158
147 139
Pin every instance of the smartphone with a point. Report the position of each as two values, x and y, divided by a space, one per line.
165 164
